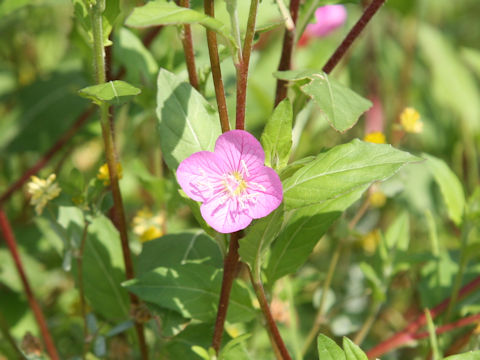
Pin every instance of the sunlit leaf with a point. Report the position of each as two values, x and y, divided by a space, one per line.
113 92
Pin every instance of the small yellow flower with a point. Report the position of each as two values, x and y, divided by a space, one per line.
147 226
42 191
377 198
376 137
410 120
370 241
104 174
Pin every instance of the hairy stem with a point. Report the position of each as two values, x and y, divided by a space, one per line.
119 212
352 35
286 57
12 246
229 270
188 49
216 71
242 66
271 326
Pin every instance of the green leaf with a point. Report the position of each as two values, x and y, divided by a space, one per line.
192 290
341 170
156 13
352 351
450 187
397 239
302 230
173 249
341 106
374 279
113 92
187 122
103 270
328 349
471 355
277 136
260 235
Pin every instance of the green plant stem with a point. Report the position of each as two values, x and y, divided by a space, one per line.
229 271
9 237
81 290
464 256
271 326
321 307
433 336
188 49
303 22
119 212
242 66
352 35
216 71
287 50
362 333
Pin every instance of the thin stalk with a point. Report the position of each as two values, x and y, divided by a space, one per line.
409 333
81 290
352 35
362 333
119 213
321 308
188 49
287 50
271 326
302 24
229 269
464 256
216 71
242 66
12 245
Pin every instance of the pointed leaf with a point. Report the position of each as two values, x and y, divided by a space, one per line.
187 122
352 351
277 136
450 187
341 106
328 349
471 355
113 92
341 170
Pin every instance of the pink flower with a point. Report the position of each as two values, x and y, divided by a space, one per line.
232 182
329 18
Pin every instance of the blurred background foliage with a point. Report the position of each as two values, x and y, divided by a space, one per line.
419 53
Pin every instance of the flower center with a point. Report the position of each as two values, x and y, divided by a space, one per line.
234 183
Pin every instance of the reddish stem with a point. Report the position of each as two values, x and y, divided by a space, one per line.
12 245
48 155
352 35
229 270
216 71
188 49
449 327
286 57
409 332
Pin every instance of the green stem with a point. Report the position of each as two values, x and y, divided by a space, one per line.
242 66
271 326
303 22
362 333
321 308
119 212
5 331
81 289
216 71
464 256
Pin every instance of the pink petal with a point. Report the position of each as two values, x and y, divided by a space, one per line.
266 189
329 18
237 145
200 174
225 215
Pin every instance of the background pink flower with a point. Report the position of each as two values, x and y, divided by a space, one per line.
328 18
232 182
